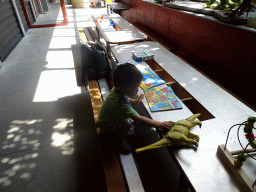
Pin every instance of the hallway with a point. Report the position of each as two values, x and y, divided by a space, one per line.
48 139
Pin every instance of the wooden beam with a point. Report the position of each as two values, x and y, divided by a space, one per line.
95 98
241 151
82 35
240 175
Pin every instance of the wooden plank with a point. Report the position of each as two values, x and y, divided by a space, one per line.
87 34
112 168
154 65
113 173
95 98
92 33
82 35
241 151
239 174
195 107
180 91
117 27
192 104
165 76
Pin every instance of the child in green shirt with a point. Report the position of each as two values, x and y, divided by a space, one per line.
116 113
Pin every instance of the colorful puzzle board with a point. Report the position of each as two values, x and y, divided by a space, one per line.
150 79
162 99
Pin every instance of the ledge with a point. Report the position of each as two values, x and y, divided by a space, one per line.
196 8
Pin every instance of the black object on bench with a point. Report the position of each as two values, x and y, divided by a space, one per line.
91 33
116 7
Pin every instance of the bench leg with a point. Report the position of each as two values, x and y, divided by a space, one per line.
98 34
107 9
108 49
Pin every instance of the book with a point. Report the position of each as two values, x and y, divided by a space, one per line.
150 79
162 99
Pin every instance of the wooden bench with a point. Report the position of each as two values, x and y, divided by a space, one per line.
120 170
152 36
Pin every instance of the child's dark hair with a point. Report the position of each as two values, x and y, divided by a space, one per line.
125 75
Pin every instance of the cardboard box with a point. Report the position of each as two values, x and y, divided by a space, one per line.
142 55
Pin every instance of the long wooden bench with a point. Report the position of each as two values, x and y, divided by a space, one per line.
152 36
120 170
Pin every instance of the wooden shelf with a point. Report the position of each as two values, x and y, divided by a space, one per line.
154 65
192 104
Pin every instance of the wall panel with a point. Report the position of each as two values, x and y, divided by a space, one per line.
10 32
162 21
150 11
22 16
30 13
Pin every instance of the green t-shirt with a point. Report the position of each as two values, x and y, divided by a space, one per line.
116 106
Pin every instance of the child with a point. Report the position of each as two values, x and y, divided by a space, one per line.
116 113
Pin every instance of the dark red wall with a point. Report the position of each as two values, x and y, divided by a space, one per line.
226 53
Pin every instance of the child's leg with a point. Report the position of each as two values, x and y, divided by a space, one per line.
117 132
108 131
123 128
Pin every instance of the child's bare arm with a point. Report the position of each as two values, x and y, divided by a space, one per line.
138 100
153 123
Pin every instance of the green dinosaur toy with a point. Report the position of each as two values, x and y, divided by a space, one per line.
178 135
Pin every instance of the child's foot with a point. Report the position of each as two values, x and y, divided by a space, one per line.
131 133
125 148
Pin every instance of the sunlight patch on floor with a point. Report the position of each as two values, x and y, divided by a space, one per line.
59 59
63 135
55 84
63 33
62 42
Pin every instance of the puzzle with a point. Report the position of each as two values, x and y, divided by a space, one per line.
142 55
162 99
150 80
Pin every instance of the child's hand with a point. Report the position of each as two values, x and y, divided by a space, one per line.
138 100
166 125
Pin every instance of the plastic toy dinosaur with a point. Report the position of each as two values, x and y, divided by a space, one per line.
178 135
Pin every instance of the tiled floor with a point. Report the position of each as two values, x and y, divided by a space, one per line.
47 137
